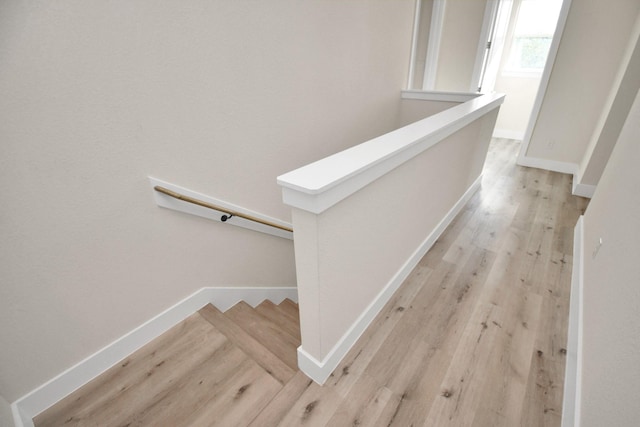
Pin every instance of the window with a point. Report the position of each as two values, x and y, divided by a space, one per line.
532 36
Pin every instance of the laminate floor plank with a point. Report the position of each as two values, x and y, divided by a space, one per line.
281 404
266 332
132 383
235 402
269 361
284 322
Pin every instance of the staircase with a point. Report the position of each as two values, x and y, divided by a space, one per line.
213 368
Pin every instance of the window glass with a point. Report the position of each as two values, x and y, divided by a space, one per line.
532 36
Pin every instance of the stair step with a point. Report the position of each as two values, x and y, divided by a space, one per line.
271 362
285 321
266 332
290 307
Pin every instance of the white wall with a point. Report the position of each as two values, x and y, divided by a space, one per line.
6 418
621 99
459 44
611 341
216 96
589 55
515 113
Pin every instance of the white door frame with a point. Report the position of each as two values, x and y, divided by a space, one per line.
490 12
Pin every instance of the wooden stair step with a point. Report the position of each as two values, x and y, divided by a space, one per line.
290 307
285 321
266 332
271 362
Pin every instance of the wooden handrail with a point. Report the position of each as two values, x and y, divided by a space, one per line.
218 208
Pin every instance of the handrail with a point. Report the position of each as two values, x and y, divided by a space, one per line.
229 213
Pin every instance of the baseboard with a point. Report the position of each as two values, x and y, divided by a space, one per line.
36 401
573 370
551 165
319 371
582 190
508 134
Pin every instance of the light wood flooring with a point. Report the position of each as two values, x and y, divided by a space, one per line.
475 336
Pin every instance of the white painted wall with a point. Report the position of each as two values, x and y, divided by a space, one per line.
216 96
611 340
515 113
6 418
412 110
459 44
620 100
592 46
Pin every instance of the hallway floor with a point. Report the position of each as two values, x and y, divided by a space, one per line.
475 336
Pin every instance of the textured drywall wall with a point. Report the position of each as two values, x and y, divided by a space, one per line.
616 116
217 96
593 43
459 44
412 110
611 340
521 93
6 417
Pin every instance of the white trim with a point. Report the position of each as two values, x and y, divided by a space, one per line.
508 134
551 165
573 371
319 371
490 12
433 95
414 43
43 397
544 80
433 46
582 190
320 185
169 202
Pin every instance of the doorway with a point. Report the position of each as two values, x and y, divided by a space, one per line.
520 42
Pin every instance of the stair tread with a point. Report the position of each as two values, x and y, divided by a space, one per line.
281 403
270 361
290 306
266 332
283 319
290 309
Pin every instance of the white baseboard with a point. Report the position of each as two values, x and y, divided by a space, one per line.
573 370
508 134
319 371
36 401
551 165
582 190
